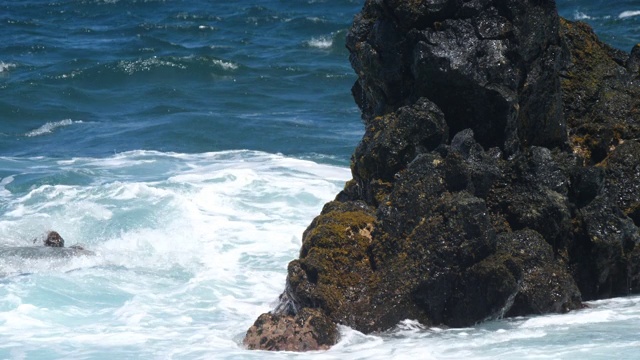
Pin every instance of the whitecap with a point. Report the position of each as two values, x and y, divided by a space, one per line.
225 65
579 15
49 127
323 42
6 66
3 185
410 325
629 13
575 318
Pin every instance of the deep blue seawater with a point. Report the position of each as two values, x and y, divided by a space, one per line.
90 78
189 143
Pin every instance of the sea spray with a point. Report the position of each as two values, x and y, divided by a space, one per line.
199 240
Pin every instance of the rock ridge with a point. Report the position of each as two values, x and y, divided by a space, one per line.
499 175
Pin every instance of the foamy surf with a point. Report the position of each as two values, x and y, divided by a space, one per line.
323 42
193 250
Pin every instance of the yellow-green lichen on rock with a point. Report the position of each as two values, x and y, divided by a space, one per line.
334 267
601 100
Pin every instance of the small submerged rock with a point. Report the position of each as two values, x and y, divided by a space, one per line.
48 250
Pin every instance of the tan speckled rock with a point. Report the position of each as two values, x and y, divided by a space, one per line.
309 330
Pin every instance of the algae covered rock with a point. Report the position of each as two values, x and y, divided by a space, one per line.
334 271
499 172
491 66
600 93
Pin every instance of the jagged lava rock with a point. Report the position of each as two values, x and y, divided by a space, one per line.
499 172
491 66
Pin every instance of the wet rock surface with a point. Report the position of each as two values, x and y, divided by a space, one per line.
499 173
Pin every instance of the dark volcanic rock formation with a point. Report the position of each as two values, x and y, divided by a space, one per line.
499 174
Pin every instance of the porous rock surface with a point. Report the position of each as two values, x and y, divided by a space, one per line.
499 174
309 329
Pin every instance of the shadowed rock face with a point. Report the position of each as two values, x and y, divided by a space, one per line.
499 174
491 66
600 93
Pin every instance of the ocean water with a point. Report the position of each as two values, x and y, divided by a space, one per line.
189 144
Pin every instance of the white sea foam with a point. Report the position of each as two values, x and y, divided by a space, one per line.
323 42
579 15
49 127
629 13
575 318
225 65
6 66
196 252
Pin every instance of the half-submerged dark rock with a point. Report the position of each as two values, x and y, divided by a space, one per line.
499 174
51 242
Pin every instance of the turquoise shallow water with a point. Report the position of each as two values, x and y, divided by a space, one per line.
189 144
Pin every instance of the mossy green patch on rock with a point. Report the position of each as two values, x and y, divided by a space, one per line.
334 268
600 95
